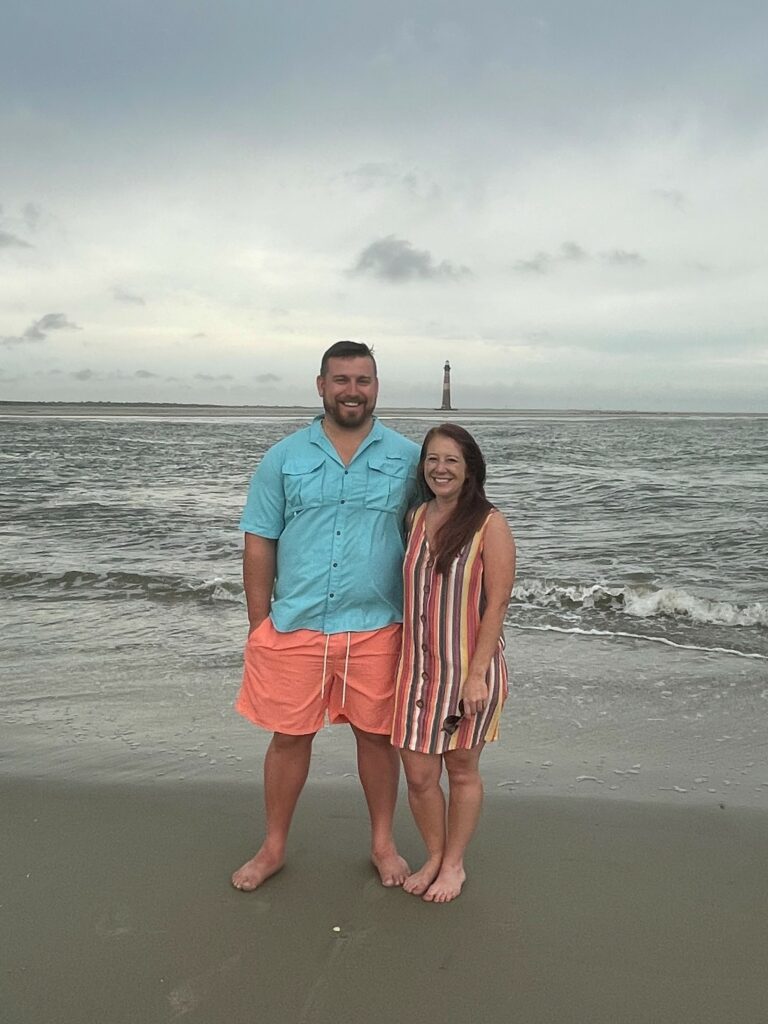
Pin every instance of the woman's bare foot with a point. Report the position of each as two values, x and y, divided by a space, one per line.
418 883
392 868
446 886
257 870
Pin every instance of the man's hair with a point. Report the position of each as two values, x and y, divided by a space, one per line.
347 350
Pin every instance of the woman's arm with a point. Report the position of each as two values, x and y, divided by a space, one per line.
498 578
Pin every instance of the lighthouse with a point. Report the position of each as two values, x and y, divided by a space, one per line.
446 386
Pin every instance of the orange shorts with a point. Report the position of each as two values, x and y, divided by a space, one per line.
290 680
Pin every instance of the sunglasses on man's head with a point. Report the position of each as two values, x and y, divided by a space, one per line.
452 722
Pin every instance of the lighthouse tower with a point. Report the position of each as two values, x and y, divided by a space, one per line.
446 386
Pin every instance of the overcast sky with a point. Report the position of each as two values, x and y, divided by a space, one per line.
568 200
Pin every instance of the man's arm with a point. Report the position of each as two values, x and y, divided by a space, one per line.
259 558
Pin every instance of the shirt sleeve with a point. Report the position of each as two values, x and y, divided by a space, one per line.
264 512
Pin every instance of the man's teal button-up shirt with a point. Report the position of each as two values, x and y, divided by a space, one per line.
339 529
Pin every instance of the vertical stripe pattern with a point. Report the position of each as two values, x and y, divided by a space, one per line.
440 625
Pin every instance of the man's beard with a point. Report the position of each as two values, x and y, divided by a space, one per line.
347 416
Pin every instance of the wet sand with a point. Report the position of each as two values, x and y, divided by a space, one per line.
116 907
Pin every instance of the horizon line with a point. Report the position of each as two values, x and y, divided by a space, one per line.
311 409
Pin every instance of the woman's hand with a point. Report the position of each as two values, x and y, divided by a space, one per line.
474 693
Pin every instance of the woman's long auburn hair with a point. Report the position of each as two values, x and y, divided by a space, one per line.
472 507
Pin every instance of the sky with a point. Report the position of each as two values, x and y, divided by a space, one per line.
568 200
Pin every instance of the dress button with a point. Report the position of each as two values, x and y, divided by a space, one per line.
423 618
426 588
419 703
430 562
424 647
425 675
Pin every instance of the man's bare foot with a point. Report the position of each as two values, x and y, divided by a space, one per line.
446 886
257 870
418 883
392 868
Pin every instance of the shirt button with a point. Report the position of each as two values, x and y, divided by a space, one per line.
338 533
331 595
419 703
343 501
346 472
335 565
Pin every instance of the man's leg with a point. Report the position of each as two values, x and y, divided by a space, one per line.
379 768
286 766
427 803
465 801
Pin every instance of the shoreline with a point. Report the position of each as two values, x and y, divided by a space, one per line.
207 411
585 718
117 906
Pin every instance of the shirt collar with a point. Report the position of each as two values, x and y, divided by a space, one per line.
318 436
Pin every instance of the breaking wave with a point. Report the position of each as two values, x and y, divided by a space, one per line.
642 602
79 584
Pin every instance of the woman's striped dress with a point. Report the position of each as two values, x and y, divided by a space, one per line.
440 625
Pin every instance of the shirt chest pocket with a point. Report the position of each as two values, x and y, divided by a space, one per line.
303 483
387 482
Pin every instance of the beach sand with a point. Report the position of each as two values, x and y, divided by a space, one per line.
116 907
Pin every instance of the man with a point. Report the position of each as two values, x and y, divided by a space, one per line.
323 530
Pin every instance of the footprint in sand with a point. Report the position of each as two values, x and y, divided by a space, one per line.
114 922
186 996
183 999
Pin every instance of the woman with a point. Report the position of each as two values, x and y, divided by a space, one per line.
452 680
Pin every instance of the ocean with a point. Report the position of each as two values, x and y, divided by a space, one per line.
642 546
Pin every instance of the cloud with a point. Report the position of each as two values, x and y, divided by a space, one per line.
82 374
673 196
384 175
144 374
267 378
120 295
211 377
53 322
395 259
541 262
538 264
572 252
38 330
31 214
622 258
9 241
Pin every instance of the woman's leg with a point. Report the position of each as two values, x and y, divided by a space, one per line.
465 802
427 803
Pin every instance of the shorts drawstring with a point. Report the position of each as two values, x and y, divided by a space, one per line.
346 666
325 668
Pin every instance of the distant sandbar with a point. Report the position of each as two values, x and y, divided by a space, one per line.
186 411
